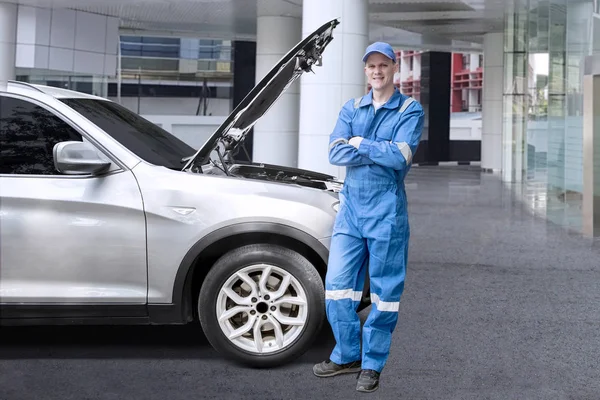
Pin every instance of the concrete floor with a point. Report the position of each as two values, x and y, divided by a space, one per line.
499 304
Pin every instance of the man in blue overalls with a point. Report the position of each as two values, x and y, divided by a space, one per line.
375 137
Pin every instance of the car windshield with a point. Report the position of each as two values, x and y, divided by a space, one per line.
142 137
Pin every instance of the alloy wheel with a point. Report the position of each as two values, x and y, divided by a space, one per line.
262 308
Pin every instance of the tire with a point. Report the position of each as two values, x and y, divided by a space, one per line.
304 321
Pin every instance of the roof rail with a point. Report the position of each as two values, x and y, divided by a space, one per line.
29 85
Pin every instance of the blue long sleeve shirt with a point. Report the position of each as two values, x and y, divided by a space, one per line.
391 135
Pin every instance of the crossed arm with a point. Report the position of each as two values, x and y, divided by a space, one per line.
341 152
346 150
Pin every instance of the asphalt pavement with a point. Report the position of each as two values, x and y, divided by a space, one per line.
499 304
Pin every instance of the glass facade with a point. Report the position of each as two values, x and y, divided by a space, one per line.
545 46
167 56
195 75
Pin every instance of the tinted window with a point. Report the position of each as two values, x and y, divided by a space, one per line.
28 134
142 137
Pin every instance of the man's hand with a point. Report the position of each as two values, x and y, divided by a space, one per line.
355 141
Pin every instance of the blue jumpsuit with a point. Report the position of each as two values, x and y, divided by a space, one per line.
371 227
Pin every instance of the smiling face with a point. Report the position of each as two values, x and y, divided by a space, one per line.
380 71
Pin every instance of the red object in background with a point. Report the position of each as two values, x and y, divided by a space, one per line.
464 78
457 65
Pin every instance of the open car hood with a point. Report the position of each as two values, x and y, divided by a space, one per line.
298 60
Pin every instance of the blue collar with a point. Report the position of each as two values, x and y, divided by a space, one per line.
392 103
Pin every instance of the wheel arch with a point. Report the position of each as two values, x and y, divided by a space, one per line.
203 254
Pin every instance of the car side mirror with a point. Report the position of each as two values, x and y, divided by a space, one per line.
78 158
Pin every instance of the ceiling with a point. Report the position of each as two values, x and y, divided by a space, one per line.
446 25
456 25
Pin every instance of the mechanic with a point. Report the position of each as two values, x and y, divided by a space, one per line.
375 137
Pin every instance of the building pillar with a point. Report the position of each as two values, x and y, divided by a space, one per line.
492 100
515 88
436 70
8 42
275 139
591 148
339 79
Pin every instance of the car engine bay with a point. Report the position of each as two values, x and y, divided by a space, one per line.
225 166
273 173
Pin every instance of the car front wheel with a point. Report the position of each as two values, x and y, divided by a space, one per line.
262 305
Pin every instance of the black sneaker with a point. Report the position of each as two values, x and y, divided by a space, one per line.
329 368
368 381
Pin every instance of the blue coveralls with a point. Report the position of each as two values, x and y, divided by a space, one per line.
372 224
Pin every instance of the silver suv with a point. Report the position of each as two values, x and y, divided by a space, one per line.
108 219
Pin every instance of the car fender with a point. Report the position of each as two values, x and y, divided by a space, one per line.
182 289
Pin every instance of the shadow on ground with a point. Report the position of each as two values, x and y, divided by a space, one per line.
122 342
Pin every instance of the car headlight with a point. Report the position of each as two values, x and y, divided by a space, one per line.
336 206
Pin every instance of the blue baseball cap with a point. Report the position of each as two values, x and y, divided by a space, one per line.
380 47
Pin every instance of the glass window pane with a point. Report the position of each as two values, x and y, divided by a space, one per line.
516 26
149 64
515 78
160 40
28 134
136 39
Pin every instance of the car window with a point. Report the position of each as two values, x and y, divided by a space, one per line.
142 137
28 134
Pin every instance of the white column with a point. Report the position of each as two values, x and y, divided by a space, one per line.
339 79
591 154
416 72
493 75
276 133
473 62
405 69
8 42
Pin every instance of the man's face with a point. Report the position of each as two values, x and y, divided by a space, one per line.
380 71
